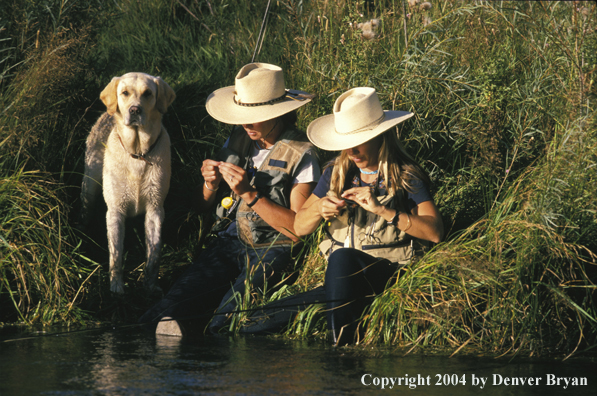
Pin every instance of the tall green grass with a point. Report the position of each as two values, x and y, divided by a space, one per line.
504 101
42 276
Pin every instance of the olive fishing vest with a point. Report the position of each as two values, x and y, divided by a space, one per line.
360 229
273 180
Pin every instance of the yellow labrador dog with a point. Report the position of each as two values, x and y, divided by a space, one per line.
128 156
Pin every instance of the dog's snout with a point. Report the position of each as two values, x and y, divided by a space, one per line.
135 116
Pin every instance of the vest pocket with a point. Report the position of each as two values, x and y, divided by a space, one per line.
272 184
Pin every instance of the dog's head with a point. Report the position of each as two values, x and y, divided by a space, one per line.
136 96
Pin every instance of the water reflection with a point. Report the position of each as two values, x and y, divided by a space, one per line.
123 362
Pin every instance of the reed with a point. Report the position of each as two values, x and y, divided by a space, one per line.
504 101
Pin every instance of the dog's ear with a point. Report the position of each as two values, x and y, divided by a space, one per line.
110 97
165 96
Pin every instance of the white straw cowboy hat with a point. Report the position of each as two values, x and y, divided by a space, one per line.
258 95
358 117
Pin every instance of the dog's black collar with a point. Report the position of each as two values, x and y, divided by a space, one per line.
142 156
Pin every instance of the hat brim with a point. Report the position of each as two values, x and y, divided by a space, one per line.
322 131
221 106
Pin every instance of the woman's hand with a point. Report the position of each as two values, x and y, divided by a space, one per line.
211 173
329 207
236 178
364 198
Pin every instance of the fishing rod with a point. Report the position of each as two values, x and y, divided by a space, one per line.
274 310
267 310
261 37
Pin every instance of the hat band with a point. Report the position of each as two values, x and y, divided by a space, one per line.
365 128
290 94
269 102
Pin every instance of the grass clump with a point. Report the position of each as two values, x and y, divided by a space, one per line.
42 278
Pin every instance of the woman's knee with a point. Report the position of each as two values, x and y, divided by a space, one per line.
346 261
343 254
342 271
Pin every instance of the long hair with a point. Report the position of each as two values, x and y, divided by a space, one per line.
396 166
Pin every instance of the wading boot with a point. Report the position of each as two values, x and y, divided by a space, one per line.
170 327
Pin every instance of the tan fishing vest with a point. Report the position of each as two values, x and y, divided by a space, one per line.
273 180
360 229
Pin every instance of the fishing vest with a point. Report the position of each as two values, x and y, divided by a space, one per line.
273 180
360 229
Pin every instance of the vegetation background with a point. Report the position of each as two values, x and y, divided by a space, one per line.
504 101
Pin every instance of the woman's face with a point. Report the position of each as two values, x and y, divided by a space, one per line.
260 130
366 155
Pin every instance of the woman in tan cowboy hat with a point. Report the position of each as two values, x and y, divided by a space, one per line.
376 203
265 172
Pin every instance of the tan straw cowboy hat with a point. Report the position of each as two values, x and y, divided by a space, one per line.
358 117
258 95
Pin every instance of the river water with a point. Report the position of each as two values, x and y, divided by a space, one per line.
129 361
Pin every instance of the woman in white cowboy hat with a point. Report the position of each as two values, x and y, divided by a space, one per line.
376 203
265 172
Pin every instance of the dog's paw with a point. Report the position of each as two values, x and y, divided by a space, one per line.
117 286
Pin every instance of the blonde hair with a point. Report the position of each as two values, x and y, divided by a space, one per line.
395 165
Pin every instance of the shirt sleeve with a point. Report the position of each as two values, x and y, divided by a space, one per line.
419 195
323 186
308 169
